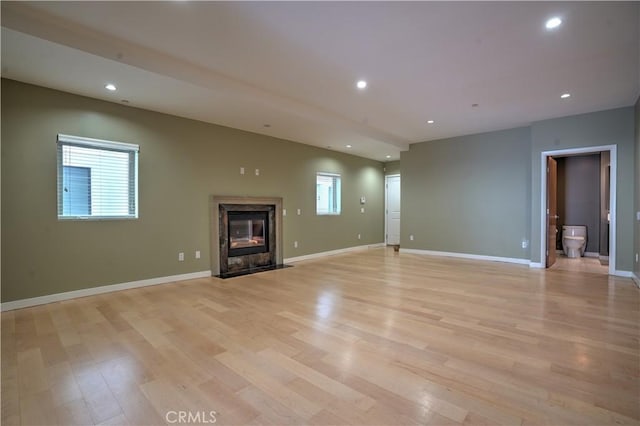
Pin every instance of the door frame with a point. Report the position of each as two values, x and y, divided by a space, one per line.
551 254
612 197
386 204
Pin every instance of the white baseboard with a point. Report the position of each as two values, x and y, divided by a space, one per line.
41 300
468 256
625 274
636 279
591 254
331 253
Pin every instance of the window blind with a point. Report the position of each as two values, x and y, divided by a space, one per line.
97 179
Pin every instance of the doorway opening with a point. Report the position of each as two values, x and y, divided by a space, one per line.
548 216
392 210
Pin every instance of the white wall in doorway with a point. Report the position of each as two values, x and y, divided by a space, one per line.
392 209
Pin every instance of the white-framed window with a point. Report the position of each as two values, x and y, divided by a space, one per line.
328 193
97 179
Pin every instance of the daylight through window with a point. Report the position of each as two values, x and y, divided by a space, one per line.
328 193
97 179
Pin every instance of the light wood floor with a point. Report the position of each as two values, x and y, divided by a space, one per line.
581 264
372 338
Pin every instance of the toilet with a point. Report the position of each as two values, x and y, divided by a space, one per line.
574 240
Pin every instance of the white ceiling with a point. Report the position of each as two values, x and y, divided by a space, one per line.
294 65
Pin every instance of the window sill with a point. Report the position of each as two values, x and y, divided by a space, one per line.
93 219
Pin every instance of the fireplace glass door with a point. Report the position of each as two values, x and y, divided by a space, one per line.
248 233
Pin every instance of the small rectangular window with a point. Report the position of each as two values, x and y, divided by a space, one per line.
328 193
97 179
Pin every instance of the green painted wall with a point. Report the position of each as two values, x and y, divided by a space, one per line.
182 163
392 168
612 127
468 194
636 265
480 194
474 194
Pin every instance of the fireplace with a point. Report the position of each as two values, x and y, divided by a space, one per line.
248 232
246 235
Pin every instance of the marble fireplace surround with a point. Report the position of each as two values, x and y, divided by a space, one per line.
217 200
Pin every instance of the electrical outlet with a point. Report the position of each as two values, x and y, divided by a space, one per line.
361 209
636 257
411 237
525 243
295 244
358 236
284 212
257 172
241 170
197 254
181 257
299 212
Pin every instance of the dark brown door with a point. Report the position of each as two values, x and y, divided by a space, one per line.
552 210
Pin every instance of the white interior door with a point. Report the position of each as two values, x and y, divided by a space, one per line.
392 209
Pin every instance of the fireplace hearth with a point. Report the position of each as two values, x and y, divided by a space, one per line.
246 235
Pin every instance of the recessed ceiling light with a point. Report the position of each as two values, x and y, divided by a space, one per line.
565 95
348 146
110 87
553 23
475 105
388 156
430 122
266 125
361 84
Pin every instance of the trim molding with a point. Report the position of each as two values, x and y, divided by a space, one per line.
332 253
58 297
468 256
625 274
613 183
536 265
386 206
